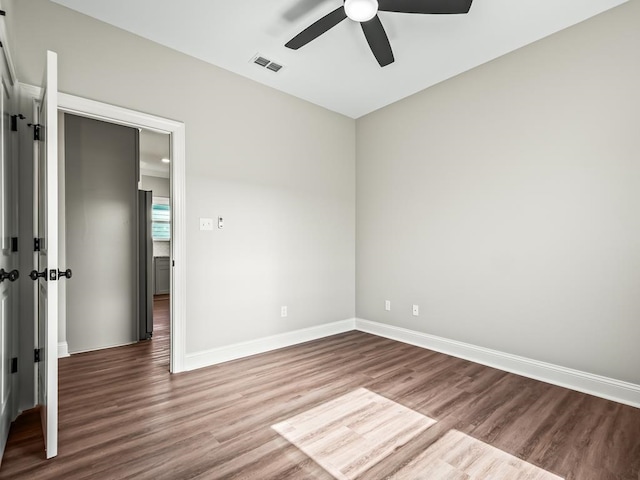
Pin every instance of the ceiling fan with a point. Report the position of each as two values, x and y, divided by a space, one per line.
366 13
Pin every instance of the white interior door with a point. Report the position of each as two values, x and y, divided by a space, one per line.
46 275
8 261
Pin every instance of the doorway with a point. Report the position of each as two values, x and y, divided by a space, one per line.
154 234
176 131
115 230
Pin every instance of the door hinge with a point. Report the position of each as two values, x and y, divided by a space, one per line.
36 130
14 365
14 244
14 121
37 355
37 244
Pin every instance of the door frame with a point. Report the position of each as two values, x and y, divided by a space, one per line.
109 113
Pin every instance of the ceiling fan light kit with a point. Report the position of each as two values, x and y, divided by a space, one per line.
366 13
361 10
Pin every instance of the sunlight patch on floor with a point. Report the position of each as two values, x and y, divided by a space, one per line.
350 434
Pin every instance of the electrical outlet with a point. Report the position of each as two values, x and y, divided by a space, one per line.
206 224
387 305
283 311
416 310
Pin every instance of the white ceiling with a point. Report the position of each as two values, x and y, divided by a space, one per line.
337 70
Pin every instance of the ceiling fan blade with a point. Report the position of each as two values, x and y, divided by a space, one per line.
378 41
425 6
316 29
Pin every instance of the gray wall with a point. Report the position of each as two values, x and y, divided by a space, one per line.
101 233
160 186
289 237
505 202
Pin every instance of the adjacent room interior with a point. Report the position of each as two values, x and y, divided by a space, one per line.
378 259
114 193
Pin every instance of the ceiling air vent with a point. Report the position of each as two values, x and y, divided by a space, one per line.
265 62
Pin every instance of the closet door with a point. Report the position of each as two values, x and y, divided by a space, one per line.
47 270
8 258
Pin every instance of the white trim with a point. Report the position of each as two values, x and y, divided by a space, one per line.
123 116
604 387
29 91
111 113
178 248
63 349
266 344
48 116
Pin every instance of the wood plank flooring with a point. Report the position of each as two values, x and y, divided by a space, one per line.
457 456
122 416
350 434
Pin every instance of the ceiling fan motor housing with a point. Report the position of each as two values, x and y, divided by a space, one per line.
361 10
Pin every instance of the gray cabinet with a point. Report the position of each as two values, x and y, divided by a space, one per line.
161 275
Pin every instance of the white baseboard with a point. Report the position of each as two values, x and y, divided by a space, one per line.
265 344
63 349
604 387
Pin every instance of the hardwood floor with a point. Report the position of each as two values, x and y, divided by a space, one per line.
122 416
350 434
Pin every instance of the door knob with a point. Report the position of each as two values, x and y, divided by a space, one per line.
34 275
12 276
65 273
